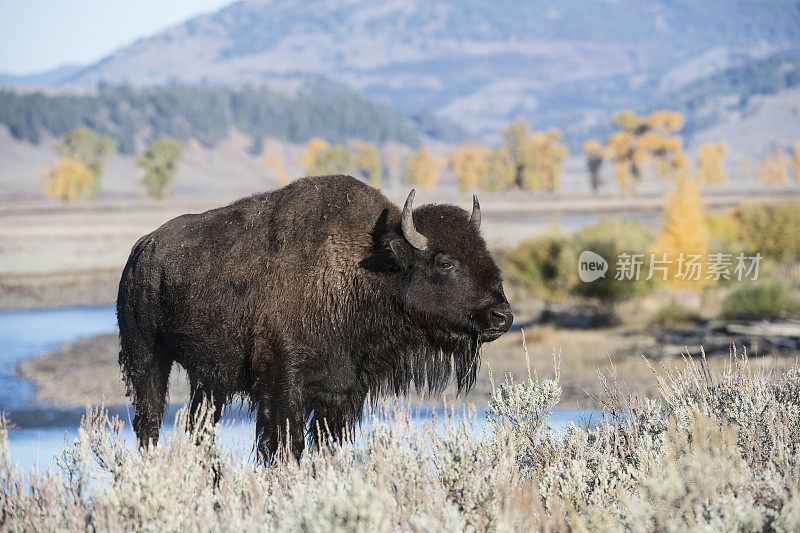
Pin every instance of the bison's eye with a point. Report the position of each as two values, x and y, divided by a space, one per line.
444 263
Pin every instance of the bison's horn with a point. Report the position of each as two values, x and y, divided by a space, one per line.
414 238
475 217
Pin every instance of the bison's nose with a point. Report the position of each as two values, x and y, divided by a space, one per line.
501 319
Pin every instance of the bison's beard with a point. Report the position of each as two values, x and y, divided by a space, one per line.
430 362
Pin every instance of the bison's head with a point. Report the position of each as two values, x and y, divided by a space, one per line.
452 284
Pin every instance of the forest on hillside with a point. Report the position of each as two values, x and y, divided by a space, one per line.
696 100
136 117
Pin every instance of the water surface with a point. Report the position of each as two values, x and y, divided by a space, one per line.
44 431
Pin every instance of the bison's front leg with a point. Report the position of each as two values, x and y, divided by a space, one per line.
335 415
279 417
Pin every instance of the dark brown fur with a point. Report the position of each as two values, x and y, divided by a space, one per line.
304 300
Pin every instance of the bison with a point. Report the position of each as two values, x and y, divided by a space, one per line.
304 301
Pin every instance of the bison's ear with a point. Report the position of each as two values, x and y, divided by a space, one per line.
401 252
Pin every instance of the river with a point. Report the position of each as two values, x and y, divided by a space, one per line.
44 430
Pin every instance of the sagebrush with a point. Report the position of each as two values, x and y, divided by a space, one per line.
715 452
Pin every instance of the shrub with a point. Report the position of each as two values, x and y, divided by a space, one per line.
546 265
771 228
610 238
761 299
723 229
672 314
718 452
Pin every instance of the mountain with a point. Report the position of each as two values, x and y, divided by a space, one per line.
478 62
754 106
48 78
732 90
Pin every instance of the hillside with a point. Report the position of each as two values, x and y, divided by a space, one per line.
477 63
135 117
754 106
706 101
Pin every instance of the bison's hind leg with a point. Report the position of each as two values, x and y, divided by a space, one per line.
206 401
147 377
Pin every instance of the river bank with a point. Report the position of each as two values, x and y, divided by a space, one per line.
52 255
85 372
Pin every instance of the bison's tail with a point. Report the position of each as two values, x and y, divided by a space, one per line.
142 361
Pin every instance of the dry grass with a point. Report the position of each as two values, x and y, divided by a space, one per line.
718 451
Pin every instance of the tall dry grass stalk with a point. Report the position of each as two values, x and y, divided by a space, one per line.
719 451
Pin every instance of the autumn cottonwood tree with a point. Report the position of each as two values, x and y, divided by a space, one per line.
422 169
69 180
502 170
796 160
160 163
470 163
643 139
77 174
358 157
394 156
277 164
682 244
536 157
367 161
90 148
545 155
595 154
684 235
710 159
314 147
773 168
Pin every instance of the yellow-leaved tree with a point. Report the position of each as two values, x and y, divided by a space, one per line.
314 147
368 162
595 154
70 180
547 157
470 163
502 170
683 240
85 145
643 139
796 160
516 148
160 164
422 169
277 164
710 159
536 158
773 169
394 158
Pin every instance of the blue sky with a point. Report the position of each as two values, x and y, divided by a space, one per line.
37 35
